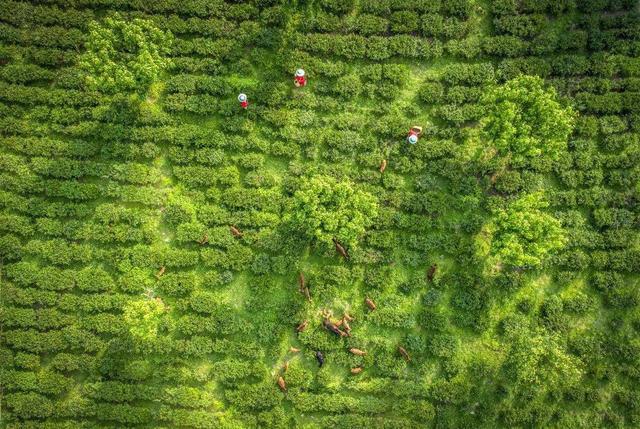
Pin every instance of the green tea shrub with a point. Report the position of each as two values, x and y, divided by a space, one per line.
524 26
551 314
570 65
453 28
432 25
468 74
260 396
24 73
124 413
504 46
177 284
230 370
368 25
378 48
431 92
404 22
324 23
613 287
29 405
348 86
338 6
458 8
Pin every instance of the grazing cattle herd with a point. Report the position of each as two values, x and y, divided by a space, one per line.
327 323
334 328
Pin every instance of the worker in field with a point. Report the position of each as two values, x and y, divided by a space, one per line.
300 79
414 133
242 98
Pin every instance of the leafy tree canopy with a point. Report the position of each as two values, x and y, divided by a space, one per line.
124 55
525 120
324 208
521 234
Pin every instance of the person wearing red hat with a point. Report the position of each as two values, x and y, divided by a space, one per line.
414 133
244 103
300 78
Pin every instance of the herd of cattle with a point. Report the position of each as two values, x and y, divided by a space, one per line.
341 327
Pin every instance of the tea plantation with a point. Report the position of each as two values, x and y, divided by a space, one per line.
170 258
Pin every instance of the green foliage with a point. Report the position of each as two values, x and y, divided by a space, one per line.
525 121
127 300
144 318
124 55
323 208
520 235
538 361
179 210
348 86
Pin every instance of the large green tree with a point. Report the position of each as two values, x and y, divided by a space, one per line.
525 121
520 234
526 127
323 208
124 56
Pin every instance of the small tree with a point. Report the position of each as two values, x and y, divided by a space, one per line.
143 317
124 55
537 367
525 121
521 234
323 208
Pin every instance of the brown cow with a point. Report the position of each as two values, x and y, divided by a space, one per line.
383 165
346 326
432 272
293 350
285 367
307 293
357 352
281 384
333 328
301 327
356 370
404 353
235 231
303 288
161 272
370 304
204 240
347 317
340 249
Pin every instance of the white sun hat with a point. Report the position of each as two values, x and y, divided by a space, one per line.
413 139
299 72
242 97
